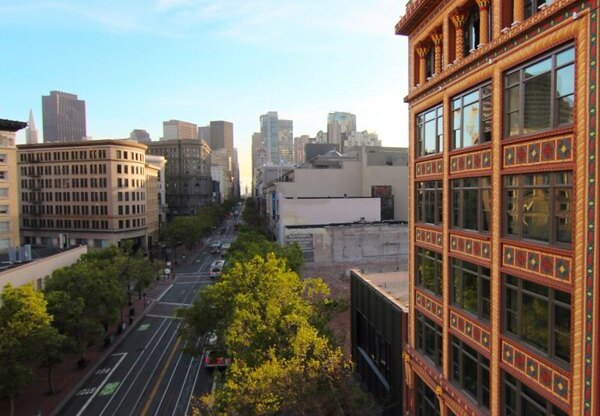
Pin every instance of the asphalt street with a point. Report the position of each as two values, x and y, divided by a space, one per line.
148 373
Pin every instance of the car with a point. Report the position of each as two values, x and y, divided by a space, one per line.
224 248
215 247
216 268
213 357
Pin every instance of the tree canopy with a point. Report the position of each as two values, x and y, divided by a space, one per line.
267 320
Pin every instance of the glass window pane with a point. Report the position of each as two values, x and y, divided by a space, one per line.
486 209
485 298
470 382
565 109
511 211
537 103
511 311
565 81
470 295
513 78
562 325
562 210
456 124
565 56
536 211
471 98
513 99
430 137
535 321
538 68
469 211
471 127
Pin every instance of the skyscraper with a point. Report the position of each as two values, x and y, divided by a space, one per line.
339 127
63 117
278 137
221 136
504 294
31 133
177 129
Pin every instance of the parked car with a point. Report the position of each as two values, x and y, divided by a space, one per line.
213 357
215 247
216 268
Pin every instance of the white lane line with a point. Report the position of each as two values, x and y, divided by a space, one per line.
174 304
189 401
154 369
150 315
123 355
173 371
164 293
135 362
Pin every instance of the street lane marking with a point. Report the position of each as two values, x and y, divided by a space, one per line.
143 327
109 388
174 304
160 377
162 316
123 355
86 392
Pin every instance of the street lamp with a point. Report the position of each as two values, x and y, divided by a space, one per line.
167 273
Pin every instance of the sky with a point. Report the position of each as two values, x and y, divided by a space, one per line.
137 63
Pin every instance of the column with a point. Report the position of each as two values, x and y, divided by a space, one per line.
437 38
484 17
459 20
422 52
518 11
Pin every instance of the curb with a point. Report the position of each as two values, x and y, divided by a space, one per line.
107 352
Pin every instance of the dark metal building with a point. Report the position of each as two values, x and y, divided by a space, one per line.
379 313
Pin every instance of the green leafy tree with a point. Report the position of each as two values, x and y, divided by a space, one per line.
22 314
267 319
85 298
51 347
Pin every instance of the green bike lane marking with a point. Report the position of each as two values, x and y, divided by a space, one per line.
109 388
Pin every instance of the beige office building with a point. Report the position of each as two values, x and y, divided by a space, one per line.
89 192
9 207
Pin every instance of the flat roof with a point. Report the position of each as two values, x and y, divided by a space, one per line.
393 285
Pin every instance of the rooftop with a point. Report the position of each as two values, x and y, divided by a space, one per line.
392 285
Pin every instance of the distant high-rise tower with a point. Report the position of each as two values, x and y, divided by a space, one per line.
63 117
140 136
278 137
339 127
177 129
221 136
31 133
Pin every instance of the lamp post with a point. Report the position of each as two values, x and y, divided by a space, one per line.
167 273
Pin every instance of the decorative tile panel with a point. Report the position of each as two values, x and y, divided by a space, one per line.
539 152
543 264
470 329
429 304
479 249
427 236
429 168
471 162
553 381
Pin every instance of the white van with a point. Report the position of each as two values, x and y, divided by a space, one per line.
216 267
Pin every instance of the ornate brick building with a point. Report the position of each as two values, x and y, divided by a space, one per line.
503 177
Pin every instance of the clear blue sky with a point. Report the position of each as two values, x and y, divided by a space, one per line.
137 63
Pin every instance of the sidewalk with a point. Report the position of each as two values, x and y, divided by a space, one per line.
35 398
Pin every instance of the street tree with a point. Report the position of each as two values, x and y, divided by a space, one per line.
84 299
283 363
22 314
51 347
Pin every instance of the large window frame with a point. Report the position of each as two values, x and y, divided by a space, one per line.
471 202
429 339
429 201
427 402
552 74
430 131
548 333
539 207
520 400
470 371
531 7
470 288
476 104
429 268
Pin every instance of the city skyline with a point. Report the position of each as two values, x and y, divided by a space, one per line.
238 49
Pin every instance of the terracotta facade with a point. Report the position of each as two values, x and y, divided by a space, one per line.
511 37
